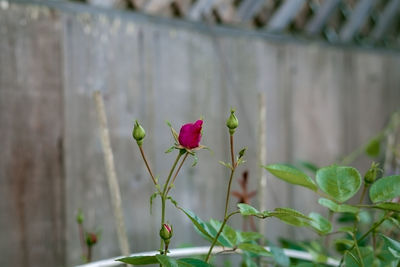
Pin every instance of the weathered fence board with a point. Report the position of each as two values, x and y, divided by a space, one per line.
32 189
322 102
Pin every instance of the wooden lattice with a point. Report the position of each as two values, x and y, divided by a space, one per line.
365 22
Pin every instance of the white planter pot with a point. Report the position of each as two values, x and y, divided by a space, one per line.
183 252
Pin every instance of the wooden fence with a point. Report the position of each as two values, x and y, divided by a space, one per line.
322 102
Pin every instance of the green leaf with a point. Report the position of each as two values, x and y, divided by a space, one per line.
173 201
213 227
230 234
166 261
291 175
195 160
320 223
309 166
248 210
347 242
289 211
174 133
385 188
333 206
346 229
139 260
248 236
389 206
373 147
316 251
242 152
339 182
193 262
279 256
200 225
152 197
169 149
256 249
392 244
353 260
290 216
228 165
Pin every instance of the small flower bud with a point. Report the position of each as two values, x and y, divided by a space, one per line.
79 217
91 239
166 232
371 174
232 123
138 133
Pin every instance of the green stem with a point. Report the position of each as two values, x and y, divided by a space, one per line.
171 172
358 250
363 193
365 187
226 216
376 225
162 219
219 233
147 165
176 173
164 197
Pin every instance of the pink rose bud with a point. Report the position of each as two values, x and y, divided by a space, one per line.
190 134
166 232
91 239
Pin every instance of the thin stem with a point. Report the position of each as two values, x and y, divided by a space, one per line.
162 219
164 197
358 250
232 152
82 239
147 165
365 187
376 225
374 240
176 173
327 237
219 233
228 192
89 253
363 193
226 216
170 173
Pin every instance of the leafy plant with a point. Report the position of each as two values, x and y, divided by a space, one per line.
336 185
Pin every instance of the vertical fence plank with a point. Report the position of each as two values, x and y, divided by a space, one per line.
31 132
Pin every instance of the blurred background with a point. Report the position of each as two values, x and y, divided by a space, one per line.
328 70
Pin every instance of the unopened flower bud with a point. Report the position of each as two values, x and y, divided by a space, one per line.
166 232
138 133
232 123
371 174
79 217
91 239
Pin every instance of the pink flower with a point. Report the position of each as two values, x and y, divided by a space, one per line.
190 134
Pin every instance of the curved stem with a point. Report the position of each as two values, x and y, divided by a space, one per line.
170 173
176 173
219 233
164 197
226 216
376 225
147 165
358 250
